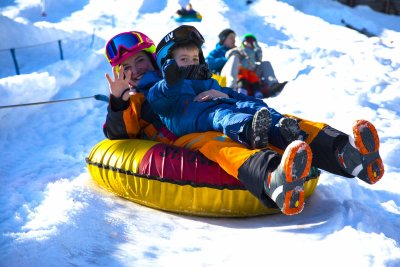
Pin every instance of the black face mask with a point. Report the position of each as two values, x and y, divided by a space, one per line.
196 72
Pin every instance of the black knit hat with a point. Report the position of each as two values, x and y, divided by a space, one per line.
224 34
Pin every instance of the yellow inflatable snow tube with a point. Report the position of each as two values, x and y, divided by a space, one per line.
173 179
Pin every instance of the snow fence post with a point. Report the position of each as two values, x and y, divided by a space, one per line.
61 51
15 60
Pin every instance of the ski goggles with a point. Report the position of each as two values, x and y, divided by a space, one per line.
126 42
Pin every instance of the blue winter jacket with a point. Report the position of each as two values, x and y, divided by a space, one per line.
216 58
147 81
176 108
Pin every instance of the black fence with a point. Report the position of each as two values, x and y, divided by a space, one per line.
385 6
26 59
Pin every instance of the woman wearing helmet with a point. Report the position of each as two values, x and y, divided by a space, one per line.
131 53
132 57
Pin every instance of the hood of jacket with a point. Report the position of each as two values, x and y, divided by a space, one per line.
148 80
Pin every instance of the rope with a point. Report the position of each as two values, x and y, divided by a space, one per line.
97 97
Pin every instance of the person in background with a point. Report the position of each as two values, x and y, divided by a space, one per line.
186 8
216 59
250 55
229 61
269 84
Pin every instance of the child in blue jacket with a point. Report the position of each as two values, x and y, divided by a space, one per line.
184 107
216 59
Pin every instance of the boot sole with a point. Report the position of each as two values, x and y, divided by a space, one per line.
297 166
261 124
366 140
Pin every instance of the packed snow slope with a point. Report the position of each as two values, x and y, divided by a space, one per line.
52 214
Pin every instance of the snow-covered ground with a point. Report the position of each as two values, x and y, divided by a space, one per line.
52 214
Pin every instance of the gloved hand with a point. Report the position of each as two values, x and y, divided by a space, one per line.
236 51
171 72
289 129
196 72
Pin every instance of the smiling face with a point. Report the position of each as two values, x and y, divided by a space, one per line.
138 64
185 56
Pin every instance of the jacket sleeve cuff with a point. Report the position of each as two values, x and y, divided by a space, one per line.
118 104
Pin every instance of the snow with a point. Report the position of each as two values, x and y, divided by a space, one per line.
52 213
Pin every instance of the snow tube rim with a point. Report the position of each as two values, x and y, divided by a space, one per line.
113 167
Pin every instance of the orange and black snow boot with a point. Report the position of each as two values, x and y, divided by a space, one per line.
285 185
360 156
